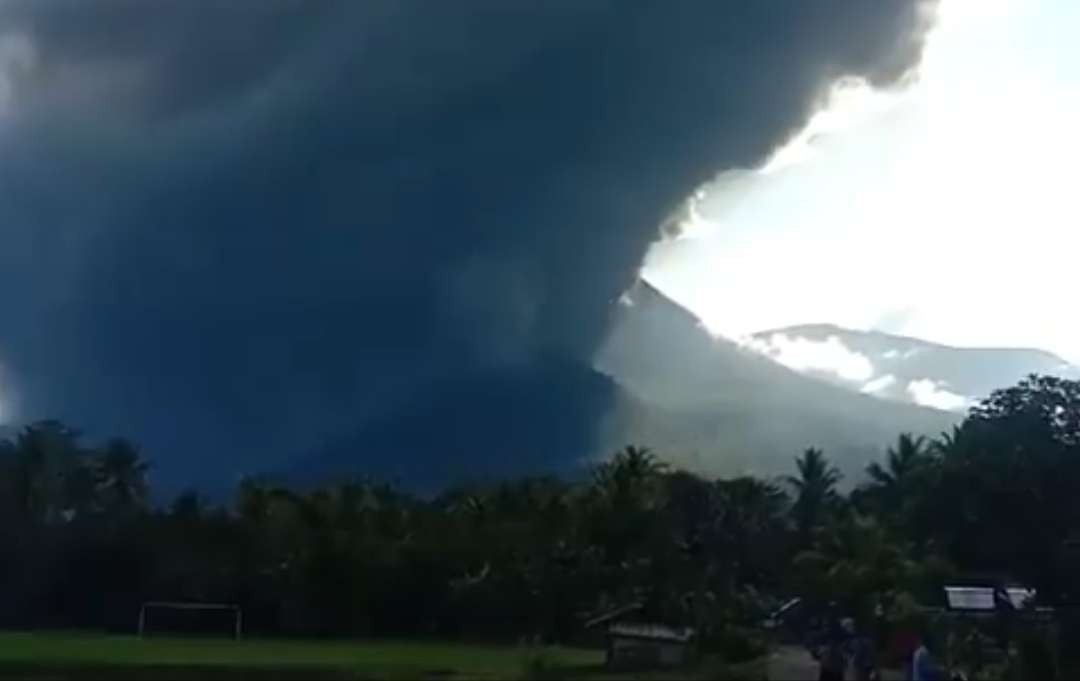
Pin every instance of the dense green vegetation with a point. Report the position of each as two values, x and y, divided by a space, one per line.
526 559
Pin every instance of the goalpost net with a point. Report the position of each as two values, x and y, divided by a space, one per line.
194 619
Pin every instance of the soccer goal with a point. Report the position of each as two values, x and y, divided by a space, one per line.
193 619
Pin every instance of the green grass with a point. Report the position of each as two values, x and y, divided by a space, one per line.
83 655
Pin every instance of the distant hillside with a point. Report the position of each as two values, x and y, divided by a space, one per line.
720 408
905 369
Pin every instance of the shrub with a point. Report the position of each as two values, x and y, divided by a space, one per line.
718 670
737 644
1038 659
539 664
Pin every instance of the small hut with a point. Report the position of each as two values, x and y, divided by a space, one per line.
997 610
634 643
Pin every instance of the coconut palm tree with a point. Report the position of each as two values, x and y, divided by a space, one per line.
754 517
949 441
47 455
121 476
902 463
891 486
854 560
630 478
254 500
814 490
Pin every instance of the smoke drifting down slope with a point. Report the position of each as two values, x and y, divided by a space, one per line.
704 403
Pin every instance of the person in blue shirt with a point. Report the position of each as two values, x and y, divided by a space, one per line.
923 665
863 655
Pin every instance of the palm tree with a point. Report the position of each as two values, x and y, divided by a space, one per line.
902 463
753 509
854 560
80 489
9 491
46 454
724 531
949 440
254 500
630 478
761 510
892 487
470 506
623 499
815 490
756 500
188 506
121 475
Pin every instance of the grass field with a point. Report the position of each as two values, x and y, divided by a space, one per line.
84 655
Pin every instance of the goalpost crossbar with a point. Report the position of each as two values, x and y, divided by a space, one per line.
187 605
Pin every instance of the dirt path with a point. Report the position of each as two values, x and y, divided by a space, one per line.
792 663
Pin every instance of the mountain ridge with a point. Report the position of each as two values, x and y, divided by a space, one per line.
903 368
836 329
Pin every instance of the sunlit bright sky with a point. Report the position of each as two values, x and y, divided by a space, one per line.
945 208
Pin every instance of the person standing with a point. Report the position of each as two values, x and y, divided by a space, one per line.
833 656
833 662
905 643
863 657
923 665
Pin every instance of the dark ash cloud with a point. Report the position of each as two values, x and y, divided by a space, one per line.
233 229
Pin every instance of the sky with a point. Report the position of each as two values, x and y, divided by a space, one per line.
941 206
240 232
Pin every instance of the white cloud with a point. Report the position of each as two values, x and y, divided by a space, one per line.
913 200
930 393
804 354
896 354
879 384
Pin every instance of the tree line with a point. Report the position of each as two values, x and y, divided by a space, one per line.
533 557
